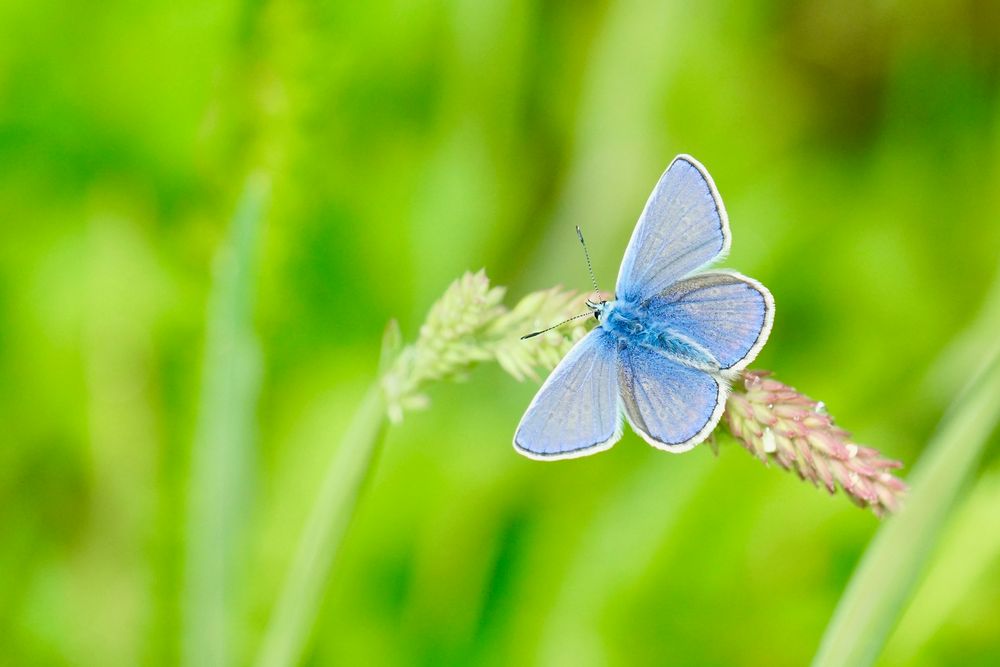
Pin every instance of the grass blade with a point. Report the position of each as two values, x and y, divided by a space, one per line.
968 553
298 604
889 570
223 441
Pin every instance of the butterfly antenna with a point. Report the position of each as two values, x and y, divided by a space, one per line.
590 269
575 317
586 254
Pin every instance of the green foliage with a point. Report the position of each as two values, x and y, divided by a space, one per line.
856 147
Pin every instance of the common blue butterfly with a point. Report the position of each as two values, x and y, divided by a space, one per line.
668 344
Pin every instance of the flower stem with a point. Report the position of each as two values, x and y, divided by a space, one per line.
295 613
466 326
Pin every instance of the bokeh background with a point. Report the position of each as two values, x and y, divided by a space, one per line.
366 154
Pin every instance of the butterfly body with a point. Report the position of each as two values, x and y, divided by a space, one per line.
632 324
667 345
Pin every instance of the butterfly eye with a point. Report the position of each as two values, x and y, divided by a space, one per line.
597 315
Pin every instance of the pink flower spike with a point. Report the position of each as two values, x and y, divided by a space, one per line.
774 385
775 422
789 410
823 472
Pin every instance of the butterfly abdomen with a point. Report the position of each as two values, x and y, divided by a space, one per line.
684 350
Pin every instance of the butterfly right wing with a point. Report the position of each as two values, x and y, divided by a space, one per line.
576 412
683 227
672 406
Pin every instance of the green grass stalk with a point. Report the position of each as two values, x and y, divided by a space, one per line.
288 631
221 458
890 569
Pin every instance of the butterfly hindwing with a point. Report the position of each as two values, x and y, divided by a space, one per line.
724 312
683 227
576 411
671 405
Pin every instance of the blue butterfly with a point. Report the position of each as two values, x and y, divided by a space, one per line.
667 346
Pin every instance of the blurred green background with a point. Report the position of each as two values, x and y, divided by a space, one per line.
385 148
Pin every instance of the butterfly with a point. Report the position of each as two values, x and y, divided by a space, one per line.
667 346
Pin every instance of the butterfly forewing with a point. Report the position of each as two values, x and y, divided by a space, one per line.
682 228
576 411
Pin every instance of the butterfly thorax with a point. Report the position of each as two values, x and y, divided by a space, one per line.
631 324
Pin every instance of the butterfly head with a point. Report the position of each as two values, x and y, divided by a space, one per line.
601 304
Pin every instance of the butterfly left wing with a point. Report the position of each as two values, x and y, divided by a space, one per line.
682 228
725 313
672 406
576 412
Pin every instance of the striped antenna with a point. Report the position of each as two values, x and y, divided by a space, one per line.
575 317
590 269
586 253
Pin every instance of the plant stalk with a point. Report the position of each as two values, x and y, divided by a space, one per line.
890 569
293 618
